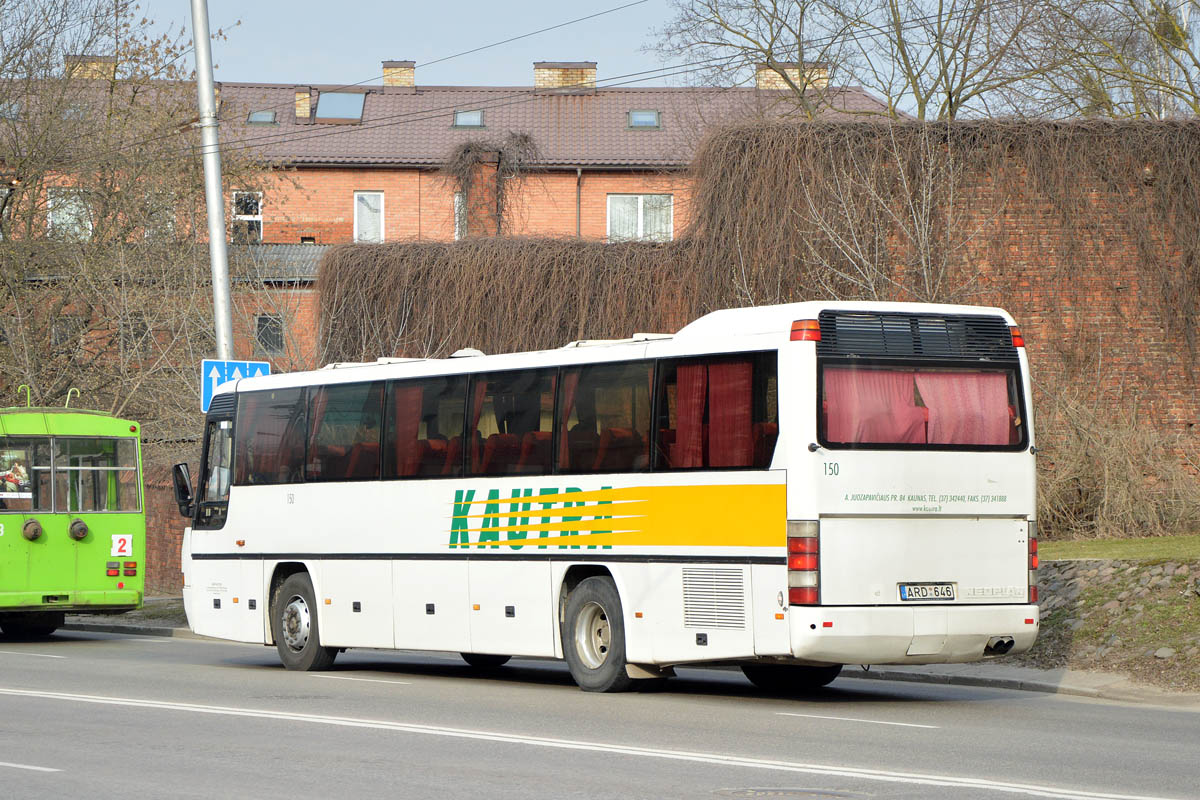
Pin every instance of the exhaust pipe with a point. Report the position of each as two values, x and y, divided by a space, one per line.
998 646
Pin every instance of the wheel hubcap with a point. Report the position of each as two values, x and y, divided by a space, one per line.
296 623
593 635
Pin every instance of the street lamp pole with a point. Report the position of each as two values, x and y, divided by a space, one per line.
214 200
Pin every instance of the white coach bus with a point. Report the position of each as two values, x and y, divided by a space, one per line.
789 488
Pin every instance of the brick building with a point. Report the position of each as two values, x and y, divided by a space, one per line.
369 164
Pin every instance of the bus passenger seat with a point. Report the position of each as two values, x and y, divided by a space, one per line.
363 461
535 452
617 450
454 452
433 456
500 454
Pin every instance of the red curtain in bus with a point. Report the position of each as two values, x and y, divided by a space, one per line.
474 448
966 407
690 383
407 403
872 405
730 440
570 384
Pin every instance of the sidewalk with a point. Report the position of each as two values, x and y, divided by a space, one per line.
1101 685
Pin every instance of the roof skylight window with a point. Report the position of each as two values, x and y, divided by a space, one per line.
261 118
468 119
644 119
345 107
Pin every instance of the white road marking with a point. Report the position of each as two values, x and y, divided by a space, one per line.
853 719
364 680
718 759
29 767
23 653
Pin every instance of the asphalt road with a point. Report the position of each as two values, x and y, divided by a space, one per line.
105 715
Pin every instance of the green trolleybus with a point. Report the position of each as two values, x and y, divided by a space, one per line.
72 526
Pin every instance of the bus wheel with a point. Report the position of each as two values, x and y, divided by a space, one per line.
594 637
790 678
294 626
484 660
32 624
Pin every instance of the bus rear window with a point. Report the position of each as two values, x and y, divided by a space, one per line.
915 407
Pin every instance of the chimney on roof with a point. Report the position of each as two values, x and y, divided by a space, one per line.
564 75
303 103
816 75
91 67
399 73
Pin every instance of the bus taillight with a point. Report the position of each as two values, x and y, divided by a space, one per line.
1033 562
803 549
1017 339
806 330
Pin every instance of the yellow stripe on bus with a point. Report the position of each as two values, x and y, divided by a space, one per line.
673 516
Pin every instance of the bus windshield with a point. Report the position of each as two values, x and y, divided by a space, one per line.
919 407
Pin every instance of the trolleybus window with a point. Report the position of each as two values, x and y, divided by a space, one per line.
24 474
92 474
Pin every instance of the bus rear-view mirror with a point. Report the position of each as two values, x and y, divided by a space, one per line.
183 489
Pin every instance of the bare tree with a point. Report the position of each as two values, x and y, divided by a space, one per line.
103 265
932 60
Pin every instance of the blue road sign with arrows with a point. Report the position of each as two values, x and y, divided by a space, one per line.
214 372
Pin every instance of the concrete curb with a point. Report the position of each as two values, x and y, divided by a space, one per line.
131 628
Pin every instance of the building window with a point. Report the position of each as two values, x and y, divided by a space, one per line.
340 107
644 120
68 214
268 334
10 109
460 216
368 216
468 119
247 217
160 217
66 333
640 217
261 118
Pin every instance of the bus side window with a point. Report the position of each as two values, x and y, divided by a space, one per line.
718 412
604 418
511 420
269 440
344 432
423 436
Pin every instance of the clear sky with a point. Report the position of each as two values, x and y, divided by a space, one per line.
304 41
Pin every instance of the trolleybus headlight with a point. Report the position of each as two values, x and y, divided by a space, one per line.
78 530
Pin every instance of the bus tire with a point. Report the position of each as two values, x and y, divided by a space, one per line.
32 624
295 628
484 660
593 637
790 679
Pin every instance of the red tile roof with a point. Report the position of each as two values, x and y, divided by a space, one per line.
588 128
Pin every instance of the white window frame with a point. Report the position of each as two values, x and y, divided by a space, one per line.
382 215
248 217
71 200
641 216
259 347
460 216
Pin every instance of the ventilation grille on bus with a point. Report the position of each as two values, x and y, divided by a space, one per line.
952 336
714 598
222 405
